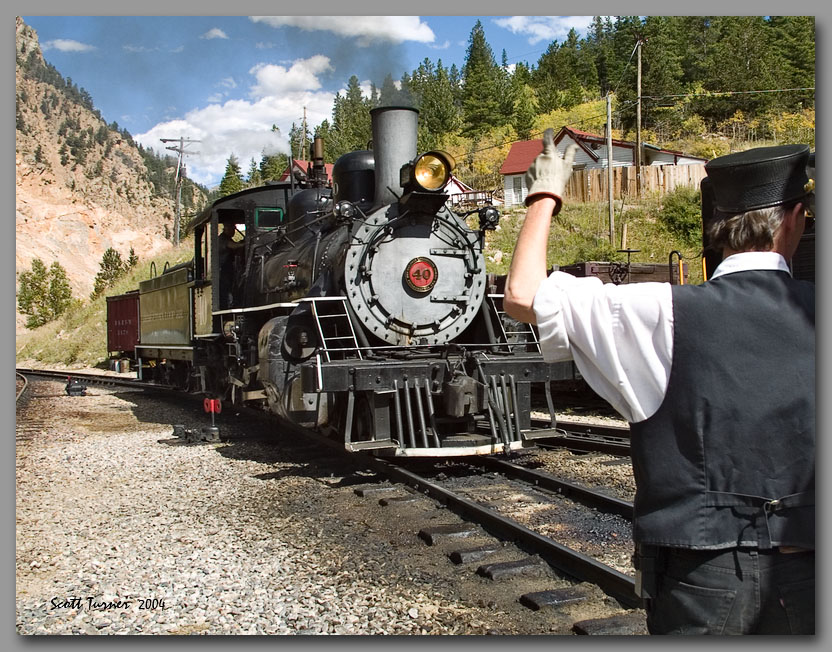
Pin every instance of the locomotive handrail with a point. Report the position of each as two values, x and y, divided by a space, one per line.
679 263
153 273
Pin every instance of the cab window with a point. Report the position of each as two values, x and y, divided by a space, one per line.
268 218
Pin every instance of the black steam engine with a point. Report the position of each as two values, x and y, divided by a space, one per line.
362 309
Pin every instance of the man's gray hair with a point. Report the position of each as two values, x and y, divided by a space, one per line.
751 231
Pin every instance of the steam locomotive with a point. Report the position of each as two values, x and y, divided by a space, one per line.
362 310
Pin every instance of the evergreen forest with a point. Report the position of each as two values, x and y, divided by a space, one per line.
709 85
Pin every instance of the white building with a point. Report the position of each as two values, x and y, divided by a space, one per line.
591 154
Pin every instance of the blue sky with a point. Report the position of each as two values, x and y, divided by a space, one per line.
225 80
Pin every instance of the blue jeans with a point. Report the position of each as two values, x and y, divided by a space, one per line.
737 591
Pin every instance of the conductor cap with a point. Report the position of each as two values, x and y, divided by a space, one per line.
759 178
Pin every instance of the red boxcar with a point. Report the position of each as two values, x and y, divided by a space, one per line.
123 323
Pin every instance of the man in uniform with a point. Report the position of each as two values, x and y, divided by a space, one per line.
228 249
718 383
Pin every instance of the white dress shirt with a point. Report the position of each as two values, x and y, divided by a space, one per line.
621 336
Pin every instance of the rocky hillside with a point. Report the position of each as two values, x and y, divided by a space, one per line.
82 186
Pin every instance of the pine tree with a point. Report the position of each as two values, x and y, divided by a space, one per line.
480 90
272 167
525 111
390 95
43 295
233 180
351 125
60 293
440 114
254 179
794 42
111 268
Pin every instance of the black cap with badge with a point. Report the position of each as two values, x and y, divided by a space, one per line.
759 178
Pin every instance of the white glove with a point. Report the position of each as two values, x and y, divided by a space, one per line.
548 173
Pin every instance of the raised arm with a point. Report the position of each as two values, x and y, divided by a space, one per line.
546 178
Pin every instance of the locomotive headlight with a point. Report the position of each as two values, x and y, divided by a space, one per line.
430 171
345 209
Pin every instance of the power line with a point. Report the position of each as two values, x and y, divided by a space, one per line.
719 93
623 105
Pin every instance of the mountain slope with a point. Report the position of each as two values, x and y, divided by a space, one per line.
82 186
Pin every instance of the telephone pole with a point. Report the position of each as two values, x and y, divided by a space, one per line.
303 138
180 173
609 167
638 119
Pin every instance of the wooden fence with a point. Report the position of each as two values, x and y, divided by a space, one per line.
591 185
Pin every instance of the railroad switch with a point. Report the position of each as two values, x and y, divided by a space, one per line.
209 434
75 387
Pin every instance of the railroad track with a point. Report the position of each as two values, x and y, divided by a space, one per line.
564 560
580 436
567 560
21 384
89 378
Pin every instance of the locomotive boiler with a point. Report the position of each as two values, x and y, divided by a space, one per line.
361 308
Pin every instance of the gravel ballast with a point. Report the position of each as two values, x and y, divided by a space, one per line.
123 529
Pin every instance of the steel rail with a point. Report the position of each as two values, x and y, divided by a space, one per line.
92 378
580 436
581 428
584 495
571 562
22 389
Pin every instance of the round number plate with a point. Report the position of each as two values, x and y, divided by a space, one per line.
421 274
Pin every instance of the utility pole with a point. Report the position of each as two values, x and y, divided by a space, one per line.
180 173
303 138
638 119
609 167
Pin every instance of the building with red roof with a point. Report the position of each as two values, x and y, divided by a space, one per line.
303 169
591 153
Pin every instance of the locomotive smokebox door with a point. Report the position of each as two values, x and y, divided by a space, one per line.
414 278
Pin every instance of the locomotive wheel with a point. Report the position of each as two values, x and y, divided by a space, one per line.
180 376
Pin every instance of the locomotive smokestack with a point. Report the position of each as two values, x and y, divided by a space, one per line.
394 144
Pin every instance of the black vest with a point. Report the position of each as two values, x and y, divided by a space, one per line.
729 457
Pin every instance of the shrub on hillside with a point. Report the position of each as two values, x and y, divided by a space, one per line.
43 295
681 215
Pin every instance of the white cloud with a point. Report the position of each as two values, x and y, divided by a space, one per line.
66 45
302 75
545 28
244 127
138 49
367 29
216 32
